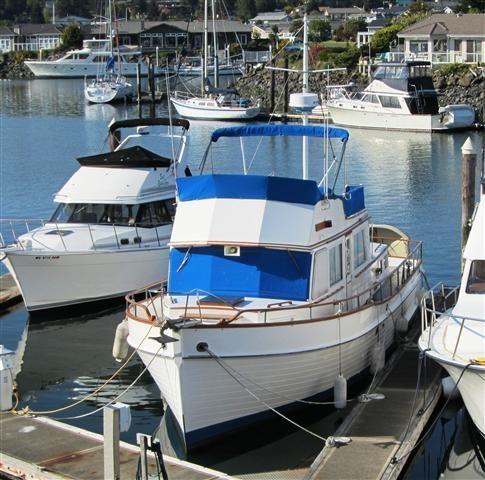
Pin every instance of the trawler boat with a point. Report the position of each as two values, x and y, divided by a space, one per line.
86 61
456 338
276 285
114 215
401 96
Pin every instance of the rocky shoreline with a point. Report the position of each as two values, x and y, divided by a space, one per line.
12 68
468 88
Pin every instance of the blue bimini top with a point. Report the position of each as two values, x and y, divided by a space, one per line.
280 189
280 130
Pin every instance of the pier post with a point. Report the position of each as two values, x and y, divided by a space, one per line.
272 88
6 384
138 82
111 432
469 161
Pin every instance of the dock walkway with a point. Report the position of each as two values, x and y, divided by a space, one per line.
45 449
379 429
9 292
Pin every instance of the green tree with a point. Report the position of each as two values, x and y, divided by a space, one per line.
245 9
296 26
418 7
153 11
36 11
71 36
265 5
319 30
352 26
382 38
471 6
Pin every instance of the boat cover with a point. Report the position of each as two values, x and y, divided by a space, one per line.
280 189
132 157
280 130
257 272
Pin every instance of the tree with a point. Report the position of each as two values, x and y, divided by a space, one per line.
381 40
418 7
319 30
71 36
36 11
152 11
471 6
352 26
265 5
296 26
245 9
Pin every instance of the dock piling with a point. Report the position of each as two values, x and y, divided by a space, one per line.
143 441
469 161
138 82
6 384
111 432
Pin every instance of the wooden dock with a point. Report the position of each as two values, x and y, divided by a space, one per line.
45 449
383 430
9 292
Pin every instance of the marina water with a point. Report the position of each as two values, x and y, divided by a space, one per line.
412 180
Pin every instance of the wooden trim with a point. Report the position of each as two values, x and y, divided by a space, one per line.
322 225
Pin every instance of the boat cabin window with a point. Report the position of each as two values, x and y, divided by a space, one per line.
420 71
389 102
335 264
99 59
476 279
370 99
319 277
360 254
391 72
146 215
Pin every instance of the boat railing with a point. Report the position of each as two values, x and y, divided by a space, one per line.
436 303
123 236
380 292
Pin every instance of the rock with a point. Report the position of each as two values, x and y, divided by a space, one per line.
466 80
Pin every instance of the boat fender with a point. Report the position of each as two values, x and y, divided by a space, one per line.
340 391
449 388
378 357
120 342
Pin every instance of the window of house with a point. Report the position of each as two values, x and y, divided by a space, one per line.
170 40
360 255
476 279
335 264
418 46
244 39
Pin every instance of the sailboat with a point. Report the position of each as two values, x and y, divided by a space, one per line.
111 86
213 103
278 287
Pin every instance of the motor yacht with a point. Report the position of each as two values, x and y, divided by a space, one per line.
401 96
456 338
277 286
109 232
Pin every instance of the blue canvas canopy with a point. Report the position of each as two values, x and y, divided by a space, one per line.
280 189
280 130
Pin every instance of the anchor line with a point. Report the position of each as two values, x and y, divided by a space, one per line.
396 460
28 411
274 410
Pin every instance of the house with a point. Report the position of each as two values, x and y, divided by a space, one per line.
443 38
270 18
172 35
265 31
340 14
7 39
364 38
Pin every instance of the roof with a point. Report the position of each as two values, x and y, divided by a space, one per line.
342 10
447 24
270 17
38 29
4 31
378 22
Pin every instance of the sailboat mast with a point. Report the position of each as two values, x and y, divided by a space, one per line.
110 26
206 40
305 90
214 41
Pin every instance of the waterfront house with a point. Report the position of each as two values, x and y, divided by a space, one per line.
7 39
364 38
270 18
443 38
340 14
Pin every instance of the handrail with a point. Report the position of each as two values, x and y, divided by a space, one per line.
399 275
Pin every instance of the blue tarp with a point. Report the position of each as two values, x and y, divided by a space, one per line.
353 199
290 190
257 272
280 130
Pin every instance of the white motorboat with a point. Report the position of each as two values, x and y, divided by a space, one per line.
276 286
213 103
401 96
456 338
110 229
86 61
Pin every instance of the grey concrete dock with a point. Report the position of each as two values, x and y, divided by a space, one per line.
379 429
9 292
44 449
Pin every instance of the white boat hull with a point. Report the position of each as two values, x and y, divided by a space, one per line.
350 117
67 69
107 94
59 279
214 113
279 364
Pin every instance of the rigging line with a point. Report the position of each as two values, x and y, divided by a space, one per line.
118 396
28 411
423 436
301 427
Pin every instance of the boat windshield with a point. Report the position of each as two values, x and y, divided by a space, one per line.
476 279
146 215
391 72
